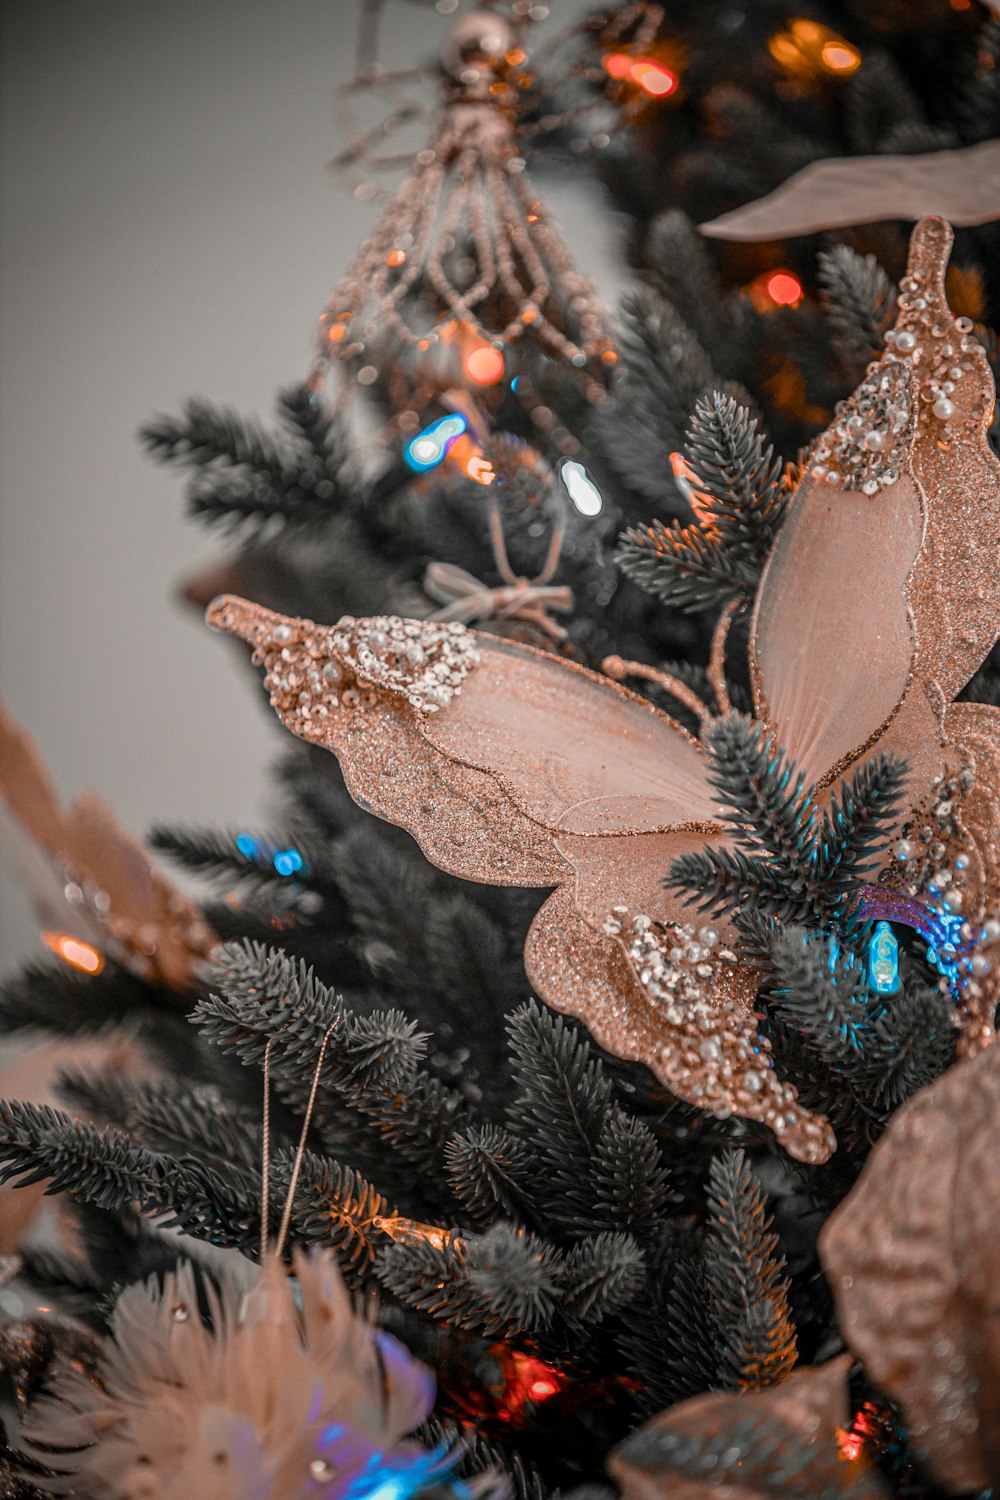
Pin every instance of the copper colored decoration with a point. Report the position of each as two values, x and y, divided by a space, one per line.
465 257
961 186
512 767
761 1446
914 1261
97 880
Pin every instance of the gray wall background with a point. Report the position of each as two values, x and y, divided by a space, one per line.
166 230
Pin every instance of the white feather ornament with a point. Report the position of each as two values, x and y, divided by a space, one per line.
286 1396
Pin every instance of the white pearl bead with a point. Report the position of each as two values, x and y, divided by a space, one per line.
943 408
906 342
874 440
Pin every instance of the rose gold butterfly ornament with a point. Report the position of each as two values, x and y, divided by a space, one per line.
513 767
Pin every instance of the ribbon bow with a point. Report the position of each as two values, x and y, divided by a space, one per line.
465 598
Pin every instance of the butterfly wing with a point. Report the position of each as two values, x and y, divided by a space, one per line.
513 767
882 597
885 575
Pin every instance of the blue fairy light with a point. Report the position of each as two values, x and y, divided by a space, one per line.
581 488
287 861
283 861
883 960
428 448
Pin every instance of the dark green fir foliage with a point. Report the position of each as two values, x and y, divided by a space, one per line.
744 1275
245 478
860 302
719 558
789 860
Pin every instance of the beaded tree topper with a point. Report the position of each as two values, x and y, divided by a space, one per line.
465 260
880 599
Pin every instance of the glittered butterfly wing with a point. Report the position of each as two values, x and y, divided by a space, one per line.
95 880
882 595
513 767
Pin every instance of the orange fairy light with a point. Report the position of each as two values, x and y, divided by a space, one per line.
484 365
469 458
396 258
808 49
74 952
654 78
411 1232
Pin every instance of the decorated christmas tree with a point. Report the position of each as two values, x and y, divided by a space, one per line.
610 1010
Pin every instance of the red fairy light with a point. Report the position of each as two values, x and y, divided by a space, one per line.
654 78
773 289
784 289
527 1380
851 1440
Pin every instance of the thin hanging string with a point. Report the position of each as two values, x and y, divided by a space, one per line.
265 1147
300 1151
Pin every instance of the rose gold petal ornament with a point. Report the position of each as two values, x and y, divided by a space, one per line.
962 186
914 1261
514 767
759 1445
104 888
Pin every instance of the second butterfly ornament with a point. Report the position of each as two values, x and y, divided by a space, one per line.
513 767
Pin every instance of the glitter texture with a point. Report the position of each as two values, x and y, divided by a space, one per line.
912 1256
515 767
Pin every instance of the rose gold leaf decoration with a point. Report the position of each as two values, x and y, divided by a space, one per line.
914 1260
962 186
123 900
514 767
764 1445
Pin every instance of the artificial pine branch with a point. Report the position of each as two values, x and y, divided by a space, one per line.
168 1116
823 994
718 559
318 430
559 1108
603 1274
631 1183
683 566
856 827
243 477
268 996
488 1167
738 476
503 1283
860 302
747 1288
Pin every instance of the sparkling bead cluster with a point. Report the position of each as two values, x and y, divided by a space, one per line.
917 381
312 672
715 1054
929 857
864 446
